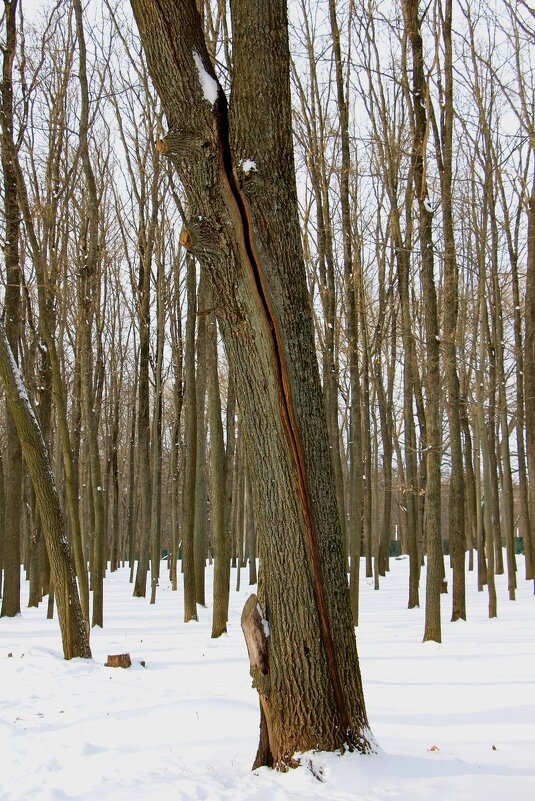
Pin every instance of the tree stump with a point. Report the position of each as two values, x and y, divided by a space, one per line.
119 660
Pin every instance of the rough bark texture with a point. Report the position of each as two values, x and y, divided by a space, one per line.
188 556
200 535
529 372
457 536
2 521
244 229
524 516
221 534
13 476
47 323
433 383
87 304
145 245
157 414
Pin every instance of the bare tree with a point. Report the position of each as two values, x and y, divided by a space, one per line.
73 629
248 239
12 312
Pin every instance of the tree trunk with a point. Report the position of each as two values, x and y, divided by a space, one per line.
156 451
131 512
250 531
2 520
178 398
239 515
435 567
525 527
529 372
145 246
12 302
244 228
200 535
73 630
218 504
457 536
87 302
188 499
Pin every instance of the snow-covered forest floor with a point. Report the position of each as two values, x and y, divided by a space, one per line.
454 721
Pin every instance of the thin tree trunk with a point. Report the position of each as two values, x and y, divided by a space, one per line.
529 371
241 500
88 277
484 436
12 306
178 398
435 566
156 489
250 531
2 521
218 504
200 536
457 537
73 629
188 554
145 245
131 497
525 520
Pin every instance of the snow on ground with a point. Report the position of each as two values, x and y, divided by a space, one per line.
185 726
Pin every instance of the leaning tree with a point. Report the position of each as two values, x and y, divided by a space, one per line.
236 165
22 422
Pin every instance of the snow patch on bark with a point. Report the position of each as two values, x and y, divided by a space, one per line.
19 384
248 165
208 84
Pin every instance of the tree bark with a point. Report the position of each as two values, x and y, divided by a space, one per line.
529 372
2 521
146 249
457 537
188 500
87 302
71 620
156 450
433 383
200 535
244 228
221 533
178 398
12 302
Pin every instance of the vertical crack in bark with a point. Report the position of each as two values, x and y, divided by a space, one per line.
253 261
238 209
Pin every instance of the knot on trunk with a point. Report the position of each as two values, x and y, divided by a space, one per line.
200 237
248 178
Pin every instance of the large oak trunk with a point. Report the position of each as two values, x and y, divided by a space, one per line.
244 230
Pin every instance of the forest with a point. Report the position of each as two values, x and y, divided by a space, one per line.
268 304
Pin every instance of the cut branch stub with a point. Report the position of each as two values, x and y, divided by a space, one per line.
188 238
248 180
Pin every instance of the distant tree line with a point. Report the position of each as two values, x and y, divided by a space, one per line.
414 137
